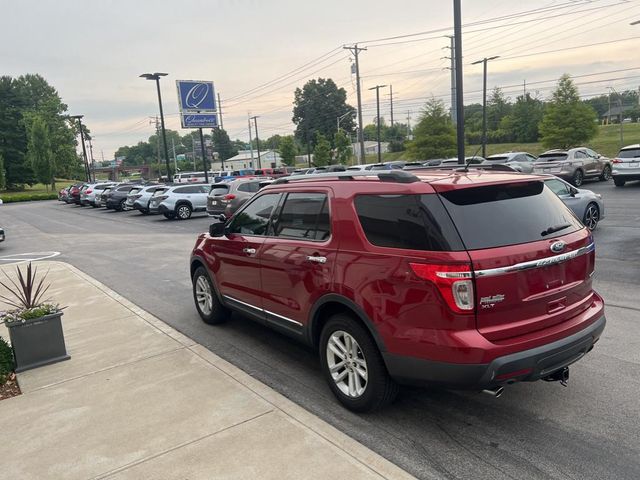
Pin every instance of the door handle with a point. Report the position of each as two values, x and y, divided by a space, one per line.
249 251
315 259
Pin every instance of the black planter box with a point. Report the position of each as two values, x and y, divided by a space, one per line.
37 342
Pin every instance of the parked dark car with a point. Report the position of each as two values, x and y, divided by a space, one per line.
228 197
116 198
420 277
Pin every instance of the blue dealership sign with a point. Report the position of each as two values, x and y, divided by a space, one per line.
199 120
196 96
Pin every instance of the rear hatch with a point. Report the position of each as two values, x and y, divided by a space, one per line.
550 162
532 258
627 160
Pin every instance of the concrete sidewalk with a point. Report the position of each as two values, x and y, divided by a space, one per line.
139 400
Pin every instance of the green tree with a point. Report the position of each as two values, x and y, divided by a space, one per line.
567 122
343 147
13 136
288 150
322 151
3 177
523 122
39 151
222 144
433 136
317 106
498 107
271 143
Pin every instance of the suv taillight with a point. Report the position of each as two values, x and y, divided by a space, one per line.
88 191
229 196
616 160
455 283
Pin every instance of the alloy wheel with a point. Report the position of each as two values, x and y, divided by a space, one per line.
347 364
606 174
184 212
591 217
204 296
577 178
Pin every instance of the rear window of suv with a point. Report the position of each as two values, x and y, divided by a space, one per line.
629 153
509 214
416 222
551 157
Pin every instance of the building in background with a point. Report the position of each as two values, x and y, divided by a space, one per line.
248 159
370 148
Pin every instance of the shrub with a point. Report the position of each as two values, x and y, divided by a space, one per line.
6 361
29 197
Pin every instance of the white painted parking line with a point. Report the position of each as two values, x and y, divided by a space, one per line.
29 256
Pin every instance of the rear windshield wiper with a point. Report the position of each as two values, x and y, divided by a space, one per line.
554 229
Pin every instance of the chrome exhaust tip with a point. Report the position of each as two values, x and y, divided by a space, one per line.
494 392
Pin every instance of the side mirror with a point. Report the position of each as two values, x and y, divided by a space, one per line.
573 192
217 229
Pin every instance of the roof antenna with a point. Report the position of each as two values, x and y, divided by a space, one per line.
466 165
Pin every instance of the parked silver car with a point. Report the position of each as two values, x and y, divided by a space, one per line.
587 205
574 165
227 197
139 197
519 161
626 165
179 202
91 191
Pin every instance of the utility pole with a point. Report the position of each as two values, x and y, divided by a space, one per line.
308 149
391 101
454 115
255 121
457 54
377 89
220 112
408 123
193 150
84 147
250 138
524 88
356 50
484 101
157 124
92 169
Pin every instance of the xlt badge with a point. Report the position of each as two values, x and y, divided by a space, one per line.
490 302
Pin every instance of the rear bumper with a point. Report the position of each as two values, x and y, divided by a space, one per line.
162 208
629 176
528 365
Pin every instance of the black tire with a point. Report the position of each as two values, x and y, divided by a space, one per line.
578 178
591 216
380 389
218 313
183 211
144 211
169 215
122 205
618 182
606 173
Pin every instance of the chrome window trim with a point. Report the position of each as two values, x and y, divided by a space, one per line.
262 310
543 262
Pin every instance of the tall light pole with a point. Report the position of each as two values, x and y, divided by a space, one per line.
156 76
377 89
457 55
484 101
342 117
84 148
255 122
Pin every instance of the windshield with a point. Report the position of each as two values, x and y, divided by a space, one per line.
497 159
159 191
508 214
629 153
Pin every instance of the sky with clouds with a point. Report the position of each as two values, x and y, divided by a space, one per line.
93 52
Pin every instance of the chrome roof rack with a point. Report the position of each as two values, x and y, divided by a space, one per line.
395 176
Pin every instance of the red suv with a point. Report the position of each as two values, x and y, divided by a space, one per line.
469 280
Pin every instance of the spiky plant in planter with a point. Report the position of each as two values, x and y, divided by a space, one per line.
35 326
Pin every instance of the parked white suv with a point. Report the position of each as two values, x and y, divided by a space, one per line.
179 201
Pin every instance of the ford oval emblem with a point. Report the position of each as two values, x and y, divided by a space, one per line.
557 247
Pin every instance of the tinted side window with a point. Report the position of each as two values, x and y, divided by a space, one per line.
305 216
187 190
580 154
245 187
125 189
416 222
254 219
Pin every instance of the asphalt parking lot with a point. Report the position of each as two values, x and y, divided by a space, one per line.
591 429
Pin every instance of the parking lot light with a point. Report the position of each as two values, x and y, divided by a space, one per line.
156 77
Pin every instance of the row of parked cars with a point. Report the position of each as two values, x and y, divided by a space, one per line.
225 196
